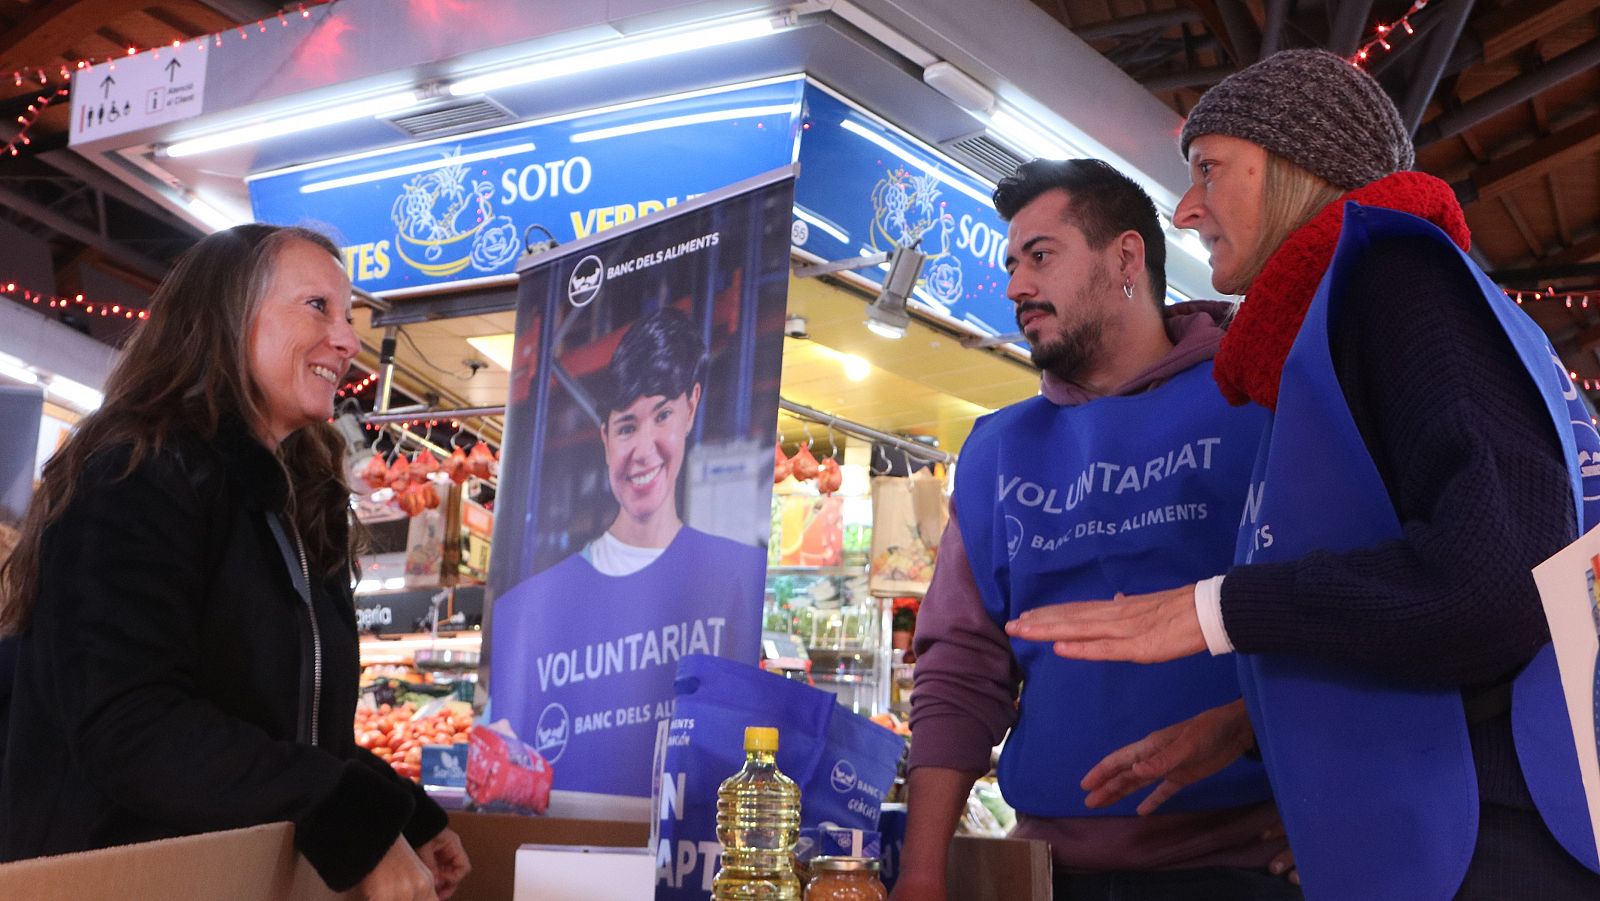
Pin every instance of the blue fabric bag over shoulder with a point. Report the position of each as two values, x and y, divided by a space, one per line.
843 763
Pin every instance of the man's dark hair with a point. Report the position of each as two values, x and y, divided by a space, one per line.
661 355
1105 203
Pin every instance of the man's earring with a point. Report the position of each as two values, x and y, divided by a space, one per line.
1127 289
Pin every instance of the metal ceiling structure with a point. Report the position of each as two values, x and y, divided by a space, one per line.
1504 96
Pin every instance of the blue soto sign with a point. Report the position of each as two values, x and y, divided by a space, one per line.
455 209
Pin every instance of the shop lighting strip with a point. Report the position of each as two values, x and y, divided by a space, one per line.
746 112
805 215
1029 137
284 124
523 126
607 57
18 372
413 168
862 131
214 219
77 395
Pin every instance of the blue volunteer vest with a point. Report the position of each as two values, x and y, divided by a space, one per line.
1129 494
1375 780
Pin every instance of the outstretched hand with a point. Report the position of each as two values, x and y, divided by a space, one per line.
1141 628
1178 755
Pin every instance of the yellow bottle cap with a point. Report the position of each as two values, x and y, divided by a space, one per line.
760 738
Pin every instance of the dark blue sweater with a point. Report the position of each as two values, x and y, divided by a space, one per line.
1475 471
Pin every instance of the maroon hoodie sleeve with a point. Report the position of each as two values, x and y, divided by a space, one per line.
965 684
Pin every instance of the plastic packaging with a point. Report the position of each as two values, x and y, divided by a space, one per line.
758 822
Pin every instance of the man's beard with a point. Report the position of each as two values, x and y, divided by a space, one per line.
1073 349
1070 352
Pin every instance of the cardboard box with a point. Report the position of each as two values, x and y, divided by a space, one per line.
241 865
573 873
492 840
998 869
261 863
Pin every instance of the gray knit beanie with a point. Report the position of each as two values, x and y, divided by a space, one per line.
1315 110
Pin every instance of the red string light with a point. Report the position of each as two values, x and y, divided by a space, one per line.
1386 33
110 311
65 71
26 120
358 386
1569 299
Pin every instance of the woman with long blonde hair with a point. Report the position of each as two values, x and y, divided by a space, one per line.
181 593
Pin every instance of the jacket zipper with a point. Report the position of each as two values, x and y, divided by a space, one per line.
316 636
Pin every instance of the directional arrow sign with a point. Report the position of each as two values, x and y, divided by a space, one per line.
146 89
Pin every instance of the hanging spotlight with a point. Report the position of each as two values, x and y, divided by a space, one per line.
887 316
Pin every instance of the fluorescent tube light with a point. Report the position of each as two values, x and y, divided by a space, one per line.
1190 242
747 112
805 215
614 55
75 394
862 131
1029 137
215 219
18 372
425 166
290 123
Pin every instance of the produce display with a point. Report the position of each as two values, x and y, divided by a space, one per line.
397 734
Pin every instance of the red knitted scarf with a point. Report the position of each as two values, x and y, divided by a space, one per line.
1249 362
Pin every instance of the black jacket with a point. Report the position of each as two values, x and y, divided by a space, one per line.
164 682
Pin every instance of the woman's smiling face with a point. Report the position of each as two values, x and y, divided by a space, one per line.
644 444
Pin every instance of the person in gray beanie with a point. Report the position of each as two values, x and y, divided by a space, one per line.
1313 109
1422 458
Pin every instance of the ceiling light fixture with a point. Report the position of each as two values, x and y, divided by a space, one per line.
887 316
291 123
214 219
746 112
76 395
873 136
1030 137
425 166
627 51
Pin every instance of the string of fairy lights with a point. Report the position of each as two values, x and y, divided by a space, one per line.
61 75
1386 33
1384 36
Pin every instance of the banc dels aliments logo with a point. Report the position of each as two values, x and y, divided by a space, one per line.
584 282
843 776
1014 536
550 733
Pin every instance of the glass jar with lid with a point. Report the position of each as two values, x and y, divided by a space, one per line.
845 879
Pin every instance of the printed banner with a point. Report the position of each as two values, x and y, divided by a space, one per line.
1569 585
633 511
449 210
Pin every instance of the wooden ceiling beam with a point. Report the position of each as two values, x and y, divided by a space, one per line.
1517 24
34 40
1562 228
1521 225
1160 20
1581 252
1533 161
